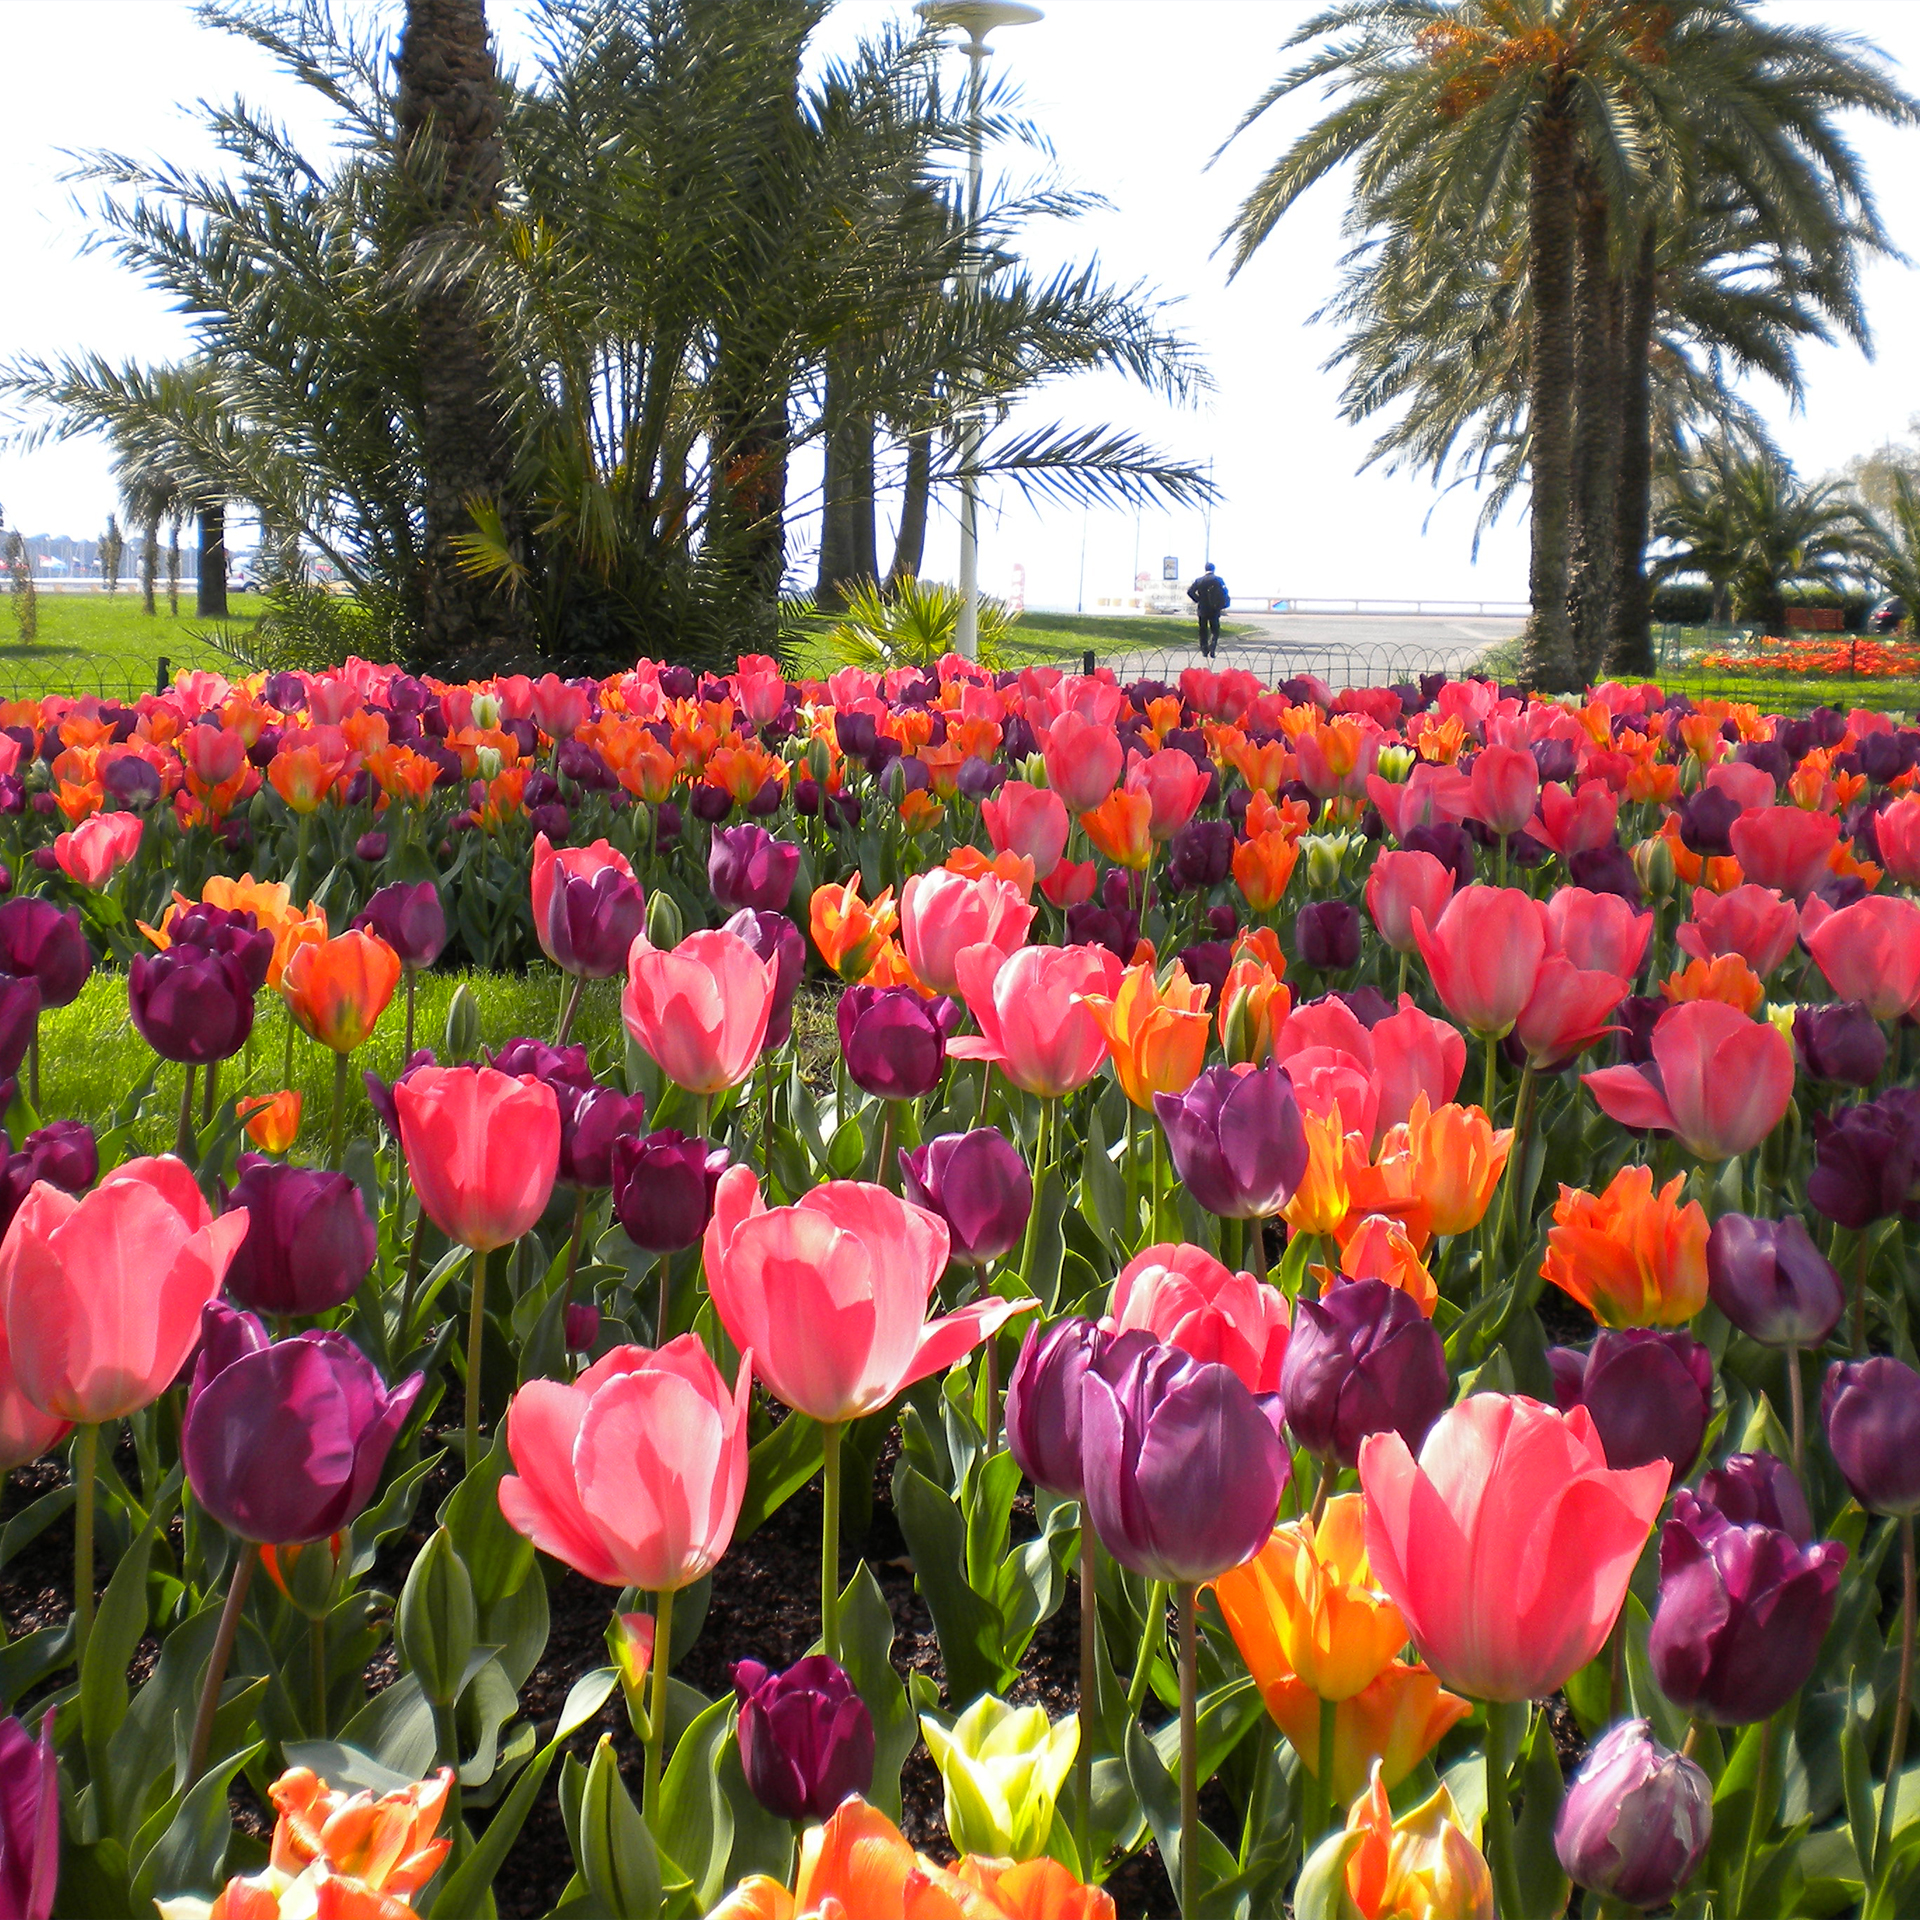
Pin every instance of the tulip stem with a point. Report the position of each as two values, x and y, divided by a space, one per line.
183 1137
412 978
1089 1695
33 1067
1487 1079
1761 1818
337 1119
1902 1699
476 1330
1187 1596
1401 989
317 1660
1502 1735
657 1707
416 1249
1031 1243
209 1092
1325 1800
1860 1294
237 1583
888 1172
1151 1637
665 1277
568 1008
830 1539
1233 1236
1796 1402
86 1455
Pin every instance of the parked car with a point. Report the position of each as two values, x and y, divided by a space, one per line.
1888 614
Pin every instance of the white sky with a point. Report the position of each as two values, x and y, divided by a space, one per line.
1136 94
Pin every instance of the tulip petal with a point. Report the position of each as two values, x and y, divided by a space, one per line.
1629 1096
542 1500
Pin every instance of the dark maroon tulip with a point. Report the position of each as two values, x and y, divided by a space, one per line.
1043 1398
1842 1043
590 1122
978 1184
1450 844
236 934
1741 1614
555 1067
894 1042
380 1092
1759 1488
1871 1411
1182 1467
582 1320
19 1019
806 1737
1772 1282
285 1441
1636 1820
1866 1161
1649 1391
748 867
40 939
132 783
29 1820
1200 856
309 1242
63 1154
190 1005
1115 928
372 848
410 919
1607 869
592 920
1706 821
1362 1360
663 1186
1326 935
773 935
1207 963
1237 1140
711 804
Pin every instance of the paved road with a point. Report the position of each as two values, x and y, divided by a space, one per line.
1345 650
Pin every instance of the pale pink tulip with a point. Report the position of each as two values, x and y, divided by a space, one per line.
1870 952
1030 821
1186 1298
700 1010
482 1149
1483 953
1030 1007
98 847
1754 922
941 913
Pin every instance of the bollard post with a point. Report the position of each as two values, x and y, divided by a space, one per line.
164 677
1086 663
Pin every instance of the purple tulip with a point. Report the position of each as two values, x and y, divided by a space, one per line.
582 1320
1871 1411
1237 1140
748 867
19 1019
708 803
773 935
64 1153
978 1184
1759 1489
1842 1043
1326 935
555 1067
1362 1360
894 1042
1115 928
590 1122
285 1441
309 1242
132 783
1200 856
380 1092
1867 1161
372 848
1741 1614
190 1005
1182 1467
37 938
1043 1398
592 920
1649 1391
1207 963
410 919
1772 1282
236 934
29 1820
1706 821
806 1737
663 1186
1636 1820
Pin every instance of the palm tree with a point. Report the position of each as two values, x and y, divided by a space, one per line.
1896 539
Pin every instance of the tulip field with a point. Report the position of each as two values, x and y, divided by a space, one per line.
1203 1299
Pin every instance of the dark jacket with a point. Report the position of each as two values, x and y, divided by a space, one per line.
1209 594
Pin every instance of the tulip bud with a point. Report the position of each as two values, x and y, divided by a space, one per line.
630 1641
806 1737
1871 1411
1324 852
436 1622
665 923
462 1040
486 712
1033 770
1395 763
1772 1282
1636 1819
818 760
1327 935
307 1572
1653 867
1003 1768
582 1326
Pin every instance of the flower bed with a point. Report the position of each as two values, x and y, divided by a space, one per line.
1822 659
1334 1328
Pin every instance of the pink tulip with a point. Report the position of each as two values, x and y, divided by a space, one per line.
1598 932
1430 796
482 1149
1754 922
831 1294
1414 1053
1324 1025
1030 821
1576 822
103 1293
1483 953
700 1011
559 710
1401 882
25 1432
213 754
942 912
1508 1545
1568 1010
1084 760
1749 786
1897 831
1175 784
1506 783
1186 1298
1720 1083
1870 952
1785 847
1031 1012
632 1474
98 847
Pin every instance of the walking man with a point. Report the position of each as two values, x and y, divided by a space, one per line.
1210 599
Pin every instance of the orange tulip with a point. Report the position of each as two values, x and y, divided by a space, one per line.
1425 1863
1457 1156
861 1861
1395 1721
1120 827
1253 1002
1630 1256
1156 1035
849 931
302 776
1262 868
1320 1201
385 1844
1724 977
272 1119
1016 869
337 989
1035 1889
1380 1248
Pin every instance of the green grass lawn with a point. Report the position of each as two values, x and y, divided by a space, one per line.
106 643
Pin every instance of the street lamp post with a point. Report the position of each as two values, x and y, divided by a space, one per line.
978 18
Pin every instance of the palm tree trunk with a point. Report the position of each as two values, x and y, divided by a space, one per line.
210 594
1547 663
910 541
848 550
173 568
1596 429
1631 647
149 565
747 492
448 120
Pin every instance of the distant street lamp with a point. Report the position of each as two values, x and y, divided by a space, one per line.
978 18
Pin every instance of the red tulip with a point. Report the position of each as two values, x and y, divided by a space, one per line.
1870 952
1084 760
1400 883
942 912
1785 847
1754 922
1174 783
1506 783
1031 821
1897 832
1723 1081
482 1150
1576 822
1484 953
1598 932
700 1010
